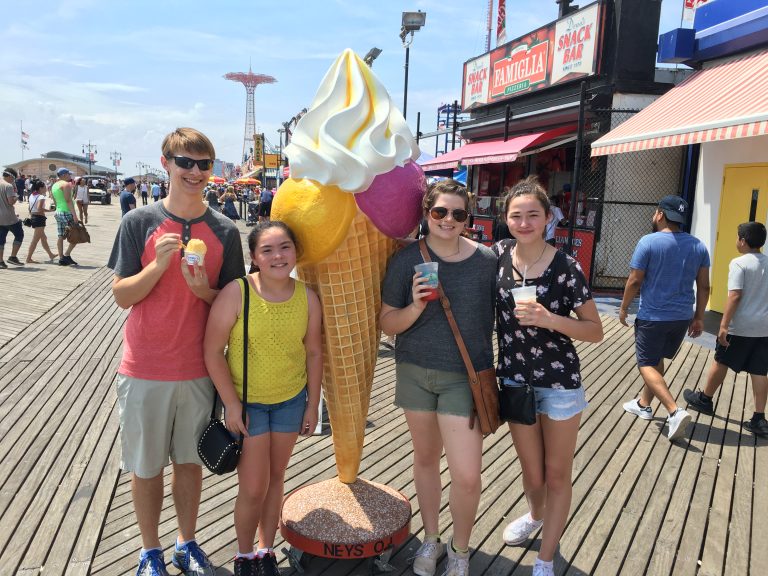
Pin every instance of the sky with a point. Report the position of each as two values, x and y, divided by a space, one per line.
121 75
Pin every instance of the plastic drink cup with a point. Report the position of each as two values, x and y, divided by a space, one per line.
429 271
524 294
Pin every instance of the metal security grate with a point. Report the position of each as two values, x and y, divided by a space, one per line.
621 193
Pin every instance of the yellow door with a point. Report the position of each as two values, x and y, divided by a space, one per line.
745 194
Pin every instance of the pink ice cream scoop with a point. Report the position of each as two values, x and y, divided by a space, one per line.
393 200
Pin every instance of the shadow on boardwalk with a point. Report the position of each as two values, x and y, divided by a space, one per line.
641 504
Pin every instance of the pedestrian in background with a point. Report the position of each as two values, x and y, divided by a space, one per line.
21 187
37 210
82 200
144 193
127 198
742 340
9 220
62 192
664 268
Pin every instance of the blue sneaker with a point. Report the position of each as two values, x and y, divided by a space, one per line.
152 564
192 561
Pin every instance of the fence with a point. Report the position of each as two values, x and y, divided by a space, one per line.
621 192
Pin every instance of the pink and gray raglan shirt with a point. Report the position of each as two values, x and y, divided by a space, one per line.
163 336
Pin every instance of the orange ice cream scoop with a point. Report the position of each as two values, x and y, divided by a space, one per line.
319 216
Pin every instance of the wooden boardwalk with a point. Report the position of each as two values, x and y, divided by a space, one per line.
641 504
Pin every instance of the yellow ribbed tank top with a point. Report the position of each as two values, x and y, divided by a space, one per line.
277 359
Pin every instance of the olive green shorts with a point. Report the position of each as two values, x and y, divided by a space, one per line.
427 390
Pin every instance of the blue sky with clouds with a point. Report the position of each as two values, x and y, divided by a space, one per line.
124 74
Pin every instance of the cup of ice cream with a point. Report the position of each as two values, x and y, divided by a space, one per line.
195 251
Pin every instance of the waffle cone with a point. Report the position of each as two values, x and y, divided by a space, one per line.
348 283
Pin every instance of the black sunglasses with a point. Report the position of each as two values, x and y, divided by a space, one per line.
188 163
438 213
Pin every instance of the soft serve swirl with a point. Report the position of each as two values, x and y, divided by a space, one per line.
352 131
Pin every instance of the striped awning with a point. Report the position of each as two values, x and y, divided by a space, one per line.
493 151
726 101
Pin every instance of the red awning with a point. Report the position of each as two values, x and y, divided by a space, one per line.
727 101
492 152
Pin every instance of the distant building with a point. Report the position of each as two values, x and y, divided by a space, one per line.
46 165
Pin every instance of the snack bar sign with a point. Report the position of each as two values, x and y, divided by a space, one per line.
559 52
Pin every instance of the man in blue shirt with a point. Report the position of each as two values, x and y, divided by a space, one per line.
664 267
265 204
127 199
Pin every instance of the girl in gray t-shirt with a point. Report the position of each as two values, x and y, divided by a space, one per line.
432 383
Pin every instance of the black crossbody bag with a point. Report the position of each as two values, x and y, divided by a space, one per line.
217 447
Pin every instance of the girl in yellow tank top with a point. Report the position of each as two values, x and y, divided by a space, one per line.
285 367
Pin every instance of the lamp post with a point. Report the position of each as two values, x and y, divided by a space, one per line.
89 155
115 157
280 132
373 53
412 21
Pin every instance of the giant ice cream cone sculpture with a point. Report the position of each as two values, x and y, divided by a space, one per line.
354 187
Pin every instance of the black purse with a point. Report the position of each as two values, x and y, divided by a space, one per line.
217 447
517 404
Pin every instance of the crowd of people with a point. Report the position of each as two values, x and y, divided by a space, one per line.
59 196
165 398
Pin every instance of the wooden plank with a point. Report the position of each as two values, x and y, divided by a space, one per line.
69 498
716 538
689 549
758 558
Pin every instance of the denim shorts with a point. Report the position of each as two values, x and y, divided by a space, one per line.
281 417
655 340
557 404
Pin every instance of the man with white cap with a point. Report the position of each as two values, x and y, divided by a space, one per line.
664 268
65 214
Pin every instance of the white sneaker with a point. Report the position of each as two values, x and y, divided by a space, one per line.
677 424
521 529
426 557
458 563
541 569
633 407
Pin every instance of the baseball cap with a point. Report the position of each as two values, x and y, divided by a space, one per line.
128 181
675 209
63 171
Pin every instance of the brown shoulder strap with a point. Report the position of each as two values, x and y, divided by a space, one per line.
446 304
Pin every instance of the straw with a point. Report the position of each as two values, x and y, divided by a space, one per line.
525 273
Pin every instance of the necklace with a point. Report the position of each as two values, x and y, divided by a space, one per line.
527 266
458 249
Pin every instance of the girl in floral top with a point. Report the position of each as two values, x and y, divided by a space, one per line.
535 347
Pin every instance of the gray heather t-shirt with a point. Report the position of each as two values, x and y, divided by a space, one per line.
7 211
749 273
470 286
